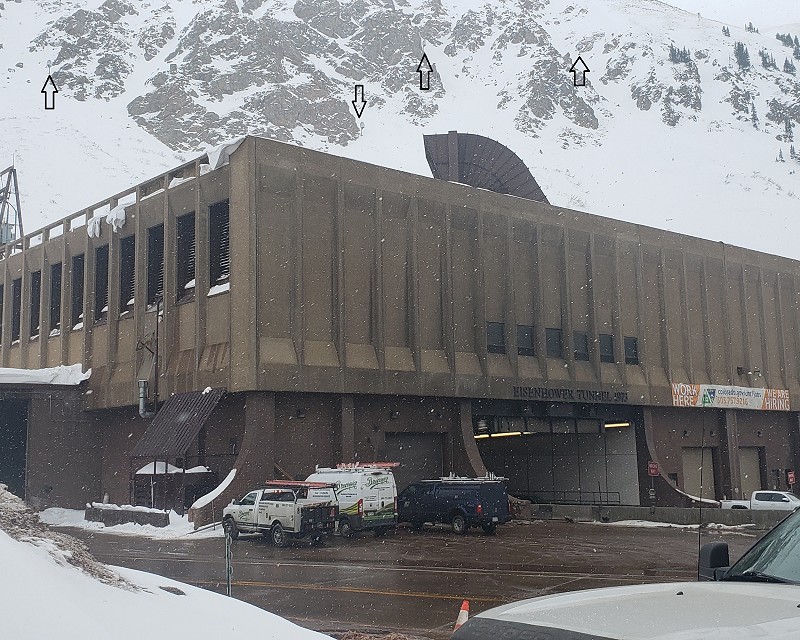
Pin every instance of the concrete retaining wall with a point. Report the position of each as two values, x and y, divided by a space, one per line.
110 517
672 515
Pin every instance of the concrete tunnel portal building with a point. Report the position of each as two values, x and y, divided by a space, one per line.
316 310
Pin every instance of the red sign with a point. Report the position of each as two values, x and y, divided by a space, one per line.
790 477
652 469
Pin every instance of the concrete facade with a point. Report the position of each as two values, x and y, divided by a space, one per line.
371 311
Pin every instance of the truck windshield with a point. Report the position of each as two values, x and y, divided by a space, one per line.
774 558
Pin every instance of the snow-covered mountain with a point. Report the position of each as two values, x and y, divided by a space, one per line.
146 84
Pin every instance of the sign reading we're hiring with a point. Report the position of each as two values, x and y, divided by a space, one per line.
725 397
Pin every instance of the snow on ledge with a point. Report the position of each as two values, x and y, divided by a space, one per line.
218 289
221 155
202 501
69 375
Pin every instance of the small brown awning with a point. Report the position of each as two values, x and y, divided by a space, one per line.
177 424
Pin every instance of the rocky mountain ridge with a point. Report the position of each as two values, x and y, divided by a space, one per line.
194 74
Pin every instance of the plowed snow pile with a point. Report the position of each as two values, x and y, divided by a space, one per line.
50 586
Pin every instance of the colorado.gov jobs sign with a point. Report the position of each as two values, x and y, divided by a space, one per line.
724 397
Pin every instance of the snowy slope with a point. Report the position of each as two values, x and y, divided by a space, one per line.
50 587
146 84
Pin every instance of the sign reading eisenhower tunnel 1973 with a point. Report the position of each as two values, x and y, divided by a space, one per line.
711 395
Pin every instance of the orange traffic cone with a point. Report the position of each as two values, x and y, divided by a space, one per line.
463 615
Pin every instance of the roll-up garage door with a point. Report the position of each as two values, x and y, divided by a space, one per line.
750 469
698 463
420 456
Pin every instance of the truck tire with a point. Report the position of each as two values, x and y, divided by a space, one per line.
317 541
489 529
379 532
459 524
230 528
278 535
416 525
345 528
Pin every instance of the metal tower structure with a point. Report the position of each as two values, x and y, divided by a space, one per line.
10 210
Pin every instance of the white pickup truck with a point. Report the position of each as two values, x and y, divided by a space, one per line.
283 510
764 500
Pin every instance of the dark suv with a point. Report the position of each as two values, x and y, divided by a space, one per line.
460 502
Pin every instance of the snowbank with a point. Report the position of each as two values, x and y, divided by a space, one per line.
42 598
66 375
202 501
179 526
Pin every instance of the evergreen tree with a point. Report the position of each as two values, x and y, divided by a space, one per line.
796 53
754 115
792 153
742 55
780 156
796 41
788 66
789 129
726 32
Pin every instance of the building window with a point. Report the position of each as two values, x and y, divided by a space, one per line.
101 283
495 337
219 243
607 348
127 273
36 303
55 297
76 304
581 342
555 343
631 350
525 340
155 264
185 259
16 309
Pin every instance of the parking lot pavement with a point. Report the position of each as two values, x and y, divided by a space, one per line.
414 582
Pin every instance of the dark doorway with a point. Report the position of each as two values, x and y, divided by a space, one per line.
13 438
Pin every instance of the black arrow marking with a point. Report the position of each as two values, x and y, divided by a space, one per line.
49 90
425 69
359 103
579 71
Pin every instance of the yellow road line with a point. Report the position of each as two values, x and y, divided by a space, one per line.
316 587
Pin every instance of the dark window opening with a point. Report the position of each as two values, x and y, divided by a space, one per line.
219 243
631 350
185 259
36 303
76 305
127 273
155 264
101 283
525 340
555 343
607 348
496 337
16 309
581 344
55 297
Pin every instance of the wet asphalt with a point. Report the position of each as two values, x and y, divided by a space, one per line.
414 582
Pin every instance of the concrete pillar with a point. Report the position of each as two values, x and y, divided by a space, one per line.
467 434
348 429
452 156
729 456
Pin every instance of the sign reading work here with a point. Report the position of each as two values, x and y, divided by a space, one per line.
724 397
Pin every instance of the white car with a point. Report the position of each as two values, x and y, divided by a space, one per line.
758 597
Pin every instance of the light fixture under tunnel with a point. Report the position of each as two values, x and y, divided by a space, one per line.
507 433
617 425
481 436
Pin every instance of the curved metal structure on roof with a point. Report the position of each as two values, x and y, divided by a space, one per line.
480 162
